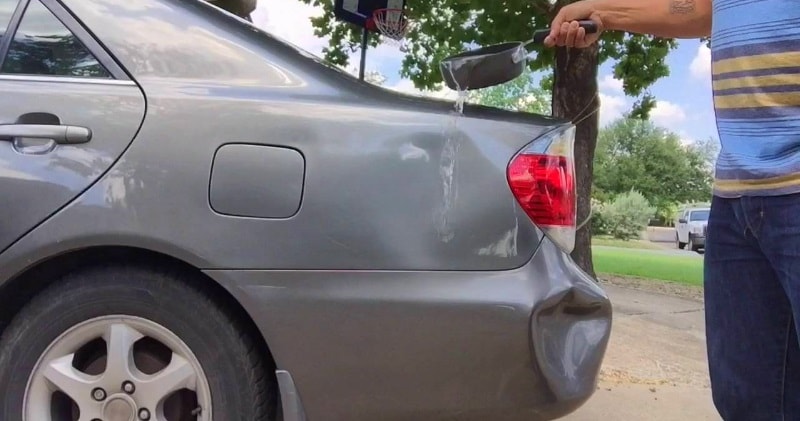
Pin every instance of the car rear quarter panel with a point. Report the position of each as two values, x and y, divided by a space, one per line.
391 182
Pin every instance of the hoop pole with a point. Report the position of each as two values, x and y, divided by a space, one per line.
364 45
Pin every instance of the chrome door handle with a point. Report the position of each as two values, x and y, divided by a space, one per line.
61 134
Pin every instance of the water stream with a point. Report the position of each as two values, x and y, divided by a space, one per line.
448 167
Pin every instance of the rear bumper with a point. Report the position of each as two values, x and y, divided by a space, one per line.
698 240
522 344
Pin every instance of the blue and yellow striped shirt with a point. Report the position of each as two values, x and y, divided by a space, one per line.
755 54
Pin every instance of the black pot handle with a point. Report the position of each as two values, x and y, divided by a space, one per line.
589 26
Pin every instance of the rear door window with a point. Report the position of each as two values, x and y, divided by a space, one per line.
6 10
43 46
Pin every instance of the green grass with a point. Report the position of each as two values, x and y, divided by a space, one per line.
608 241
649 265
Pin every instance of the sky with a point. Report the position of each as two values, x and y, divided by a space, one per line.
684 101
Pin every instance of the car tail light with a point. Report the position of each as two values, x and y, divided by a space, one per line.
542 178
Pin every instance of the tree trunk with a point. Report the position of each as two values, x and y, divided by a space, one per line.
574 97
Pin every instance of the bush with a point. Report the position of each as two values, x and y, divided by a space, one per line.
627 215
600 224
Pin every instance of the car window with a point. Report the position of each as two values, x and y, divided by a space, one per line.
6 10
700 215
42 45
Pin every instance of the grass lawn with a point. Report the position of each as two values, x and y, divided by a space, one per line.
609 241
649 265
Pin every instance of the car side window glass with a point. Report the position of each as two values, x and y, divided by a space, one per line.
42 45
6 11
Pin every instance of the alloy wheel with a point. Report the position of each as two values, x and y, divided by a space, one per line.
117 368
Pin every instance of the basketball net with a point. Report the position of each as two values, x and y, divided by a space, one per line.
393 24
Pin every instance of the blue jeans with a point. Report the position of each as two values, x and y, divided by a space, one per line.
752 294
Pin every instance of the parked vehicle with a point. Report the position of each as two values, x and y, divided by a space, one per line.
201 221
691 228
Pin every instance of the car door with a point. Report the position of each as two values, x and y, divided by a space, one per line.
67 113
683 227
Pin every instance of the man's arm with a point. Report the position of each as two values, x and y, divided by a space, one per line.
662 18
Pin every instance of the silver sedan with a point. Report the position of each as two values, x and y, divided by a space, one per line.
201 221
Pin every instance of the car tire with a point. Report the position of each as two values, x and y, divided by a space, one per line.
229 370
678 242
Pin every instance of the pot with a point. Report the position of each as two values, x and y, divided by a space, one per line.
495 64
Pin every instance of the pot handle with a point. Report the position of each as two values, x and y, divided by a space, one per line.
539 36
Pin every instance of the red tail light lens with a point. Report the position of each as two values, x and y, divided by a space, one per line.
542 178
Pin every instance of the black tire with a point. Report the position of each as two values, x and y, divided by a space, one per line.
241 386
678 242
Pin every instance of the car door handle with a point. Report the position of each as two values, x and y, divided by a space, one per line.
61 134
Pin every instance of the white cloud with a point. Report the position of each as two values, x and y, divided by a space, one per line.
609 84
686 138
289 20
700 67
611 108
667 114
613 102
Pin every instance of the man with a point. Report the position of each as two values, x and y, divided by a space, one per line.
752 261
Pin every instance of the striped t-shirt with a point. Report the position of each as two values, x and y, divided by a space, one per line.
755 54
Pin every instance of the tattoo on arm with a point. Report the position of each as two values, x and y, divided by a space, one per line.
681 7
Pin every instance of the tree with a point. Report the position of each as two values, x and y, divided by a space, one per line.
520 94
636 154
444 27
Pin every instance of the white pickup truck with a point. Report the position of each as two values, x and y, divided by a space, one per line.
691 228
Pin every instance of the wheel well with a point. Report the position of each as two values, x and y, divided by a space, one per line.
18 291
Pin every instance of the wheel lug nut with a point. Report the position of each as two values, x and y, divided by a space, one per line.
144 414
99 394
128 387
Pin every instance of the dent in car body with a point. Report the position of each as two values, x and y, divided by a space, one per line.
525 344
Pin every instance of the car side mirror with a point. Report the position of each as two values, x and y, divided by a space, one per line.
681 221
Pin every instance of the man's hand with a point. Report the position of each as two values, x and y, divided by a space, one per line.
565 31
662 18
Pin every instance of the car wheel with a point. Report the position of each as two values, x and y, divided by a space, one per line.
678 242
130 344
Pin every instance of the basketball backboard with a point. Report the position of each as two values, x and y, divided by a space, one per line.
358 12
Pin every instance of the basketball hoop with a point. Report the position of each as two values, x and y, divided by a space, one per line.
393 24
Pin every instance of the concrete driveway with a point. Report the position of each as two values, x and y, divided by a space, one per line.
656 366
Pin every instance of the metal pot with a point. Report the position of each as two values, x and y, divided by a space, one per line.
493 65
